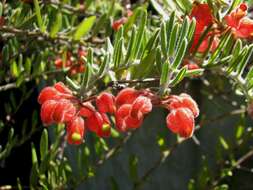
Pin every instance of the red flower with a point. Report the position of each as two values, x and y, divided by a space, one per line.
125 121
203 15
204 18
118 23
142 105
242 26
47 112
126 96
64 111
181 121
99 123
87 110
106 103
184 101
75 130
57 92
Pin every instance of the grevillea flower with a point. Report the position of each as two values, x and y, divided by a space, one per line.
126 96
47 112
64 111
241 25
99 124
75 130
184 101
106 103
125 121
181 121
132 107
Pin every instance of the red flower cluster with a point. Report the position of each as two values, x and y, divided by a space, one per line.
75 68
60 106
129 108
181 118
241 25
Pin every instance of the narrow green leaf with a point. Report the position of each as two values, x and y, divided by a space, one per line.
118 53
28 65
164 80
104 66
38 15
34 154
14 69
169 26
233 6
131 43
223 143
191 30
57 24
164 40
183 31
88 72
159 62
180 54
219 49
173 39
100 24
242 64
179 77
140 33
84 27
236 60
43 144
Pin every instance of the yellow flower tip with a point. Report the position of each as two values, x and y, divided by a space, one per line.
106 127
76 137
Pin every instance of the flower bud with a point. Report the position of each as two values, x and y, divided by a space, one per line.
118 23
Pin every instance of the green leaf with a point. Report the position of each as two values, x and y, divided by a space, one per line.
219 49
57 24
179 77
43 144
164 80
169 26
100 24
164 40
159 62
242 64
38 14
183 31
180 54
191 30
104 66
84 27
28 65
140 33
130 47
236 60
88 72
118 53
34 154
173 39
